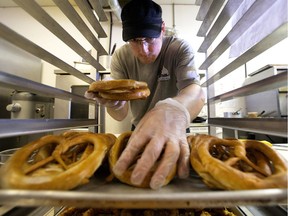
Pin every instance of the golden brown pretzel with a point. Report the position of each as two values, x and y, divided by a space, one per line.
114 155
122 89
68 164
234 164
126 95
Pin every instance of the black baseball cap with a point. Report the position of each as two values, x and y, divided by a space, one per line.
141 18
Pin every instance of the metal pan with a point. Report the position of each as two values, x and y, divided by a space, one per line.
180 193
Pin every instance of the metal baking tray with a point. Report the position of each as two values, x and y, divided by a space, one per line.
180 193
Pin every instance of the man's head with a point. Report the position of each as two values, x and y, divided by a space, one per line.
142 27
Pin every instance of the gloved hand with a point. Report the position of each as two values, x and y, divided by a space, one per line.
116 105
162 127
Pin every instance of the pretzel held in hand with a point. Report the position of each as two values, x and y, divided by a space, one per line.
122 89
114 155
56 162
237 165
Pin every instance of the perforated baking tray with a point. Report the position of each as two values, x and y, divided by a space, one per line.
188 193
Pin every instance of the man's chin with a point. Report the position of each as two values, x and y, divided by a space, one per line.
146 60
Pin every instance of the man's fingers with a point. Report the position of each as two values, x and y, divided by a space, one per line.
167 163
184 159
89 95
148 159
133 147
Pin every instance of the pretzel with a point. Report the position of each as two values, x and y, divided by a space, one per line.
114 155
64 163
68 211
122 89
236 165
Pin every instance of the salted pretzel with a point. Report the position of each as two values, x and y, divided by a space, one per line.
114 155
56 162
122 89
234 165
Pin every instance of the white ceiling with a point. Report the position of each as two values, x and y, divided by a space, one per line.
10 3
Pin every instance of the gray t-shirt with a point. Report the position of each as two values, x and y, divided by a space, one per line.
177 72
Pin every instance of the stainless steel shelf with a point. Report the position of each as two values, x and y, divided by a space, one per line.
85 7
224 16
203 10
271 126
22 84
75 18
254 16
99 10
25 44
269 41
19 127
180 193
36 11
210 16
250 17
273 82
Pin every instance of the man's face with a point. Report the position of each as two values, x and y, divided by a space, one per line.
147 49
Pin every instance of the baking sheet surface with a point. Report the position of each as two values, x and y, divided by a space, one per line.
180 193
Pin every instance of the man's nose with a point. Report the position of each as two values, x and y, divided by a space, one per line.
143 47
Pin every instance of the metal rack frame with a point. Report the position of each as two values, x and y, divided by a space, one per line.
279 33
179 193
22 84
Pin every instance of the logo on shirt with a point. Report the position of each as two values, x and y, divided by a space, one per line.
164 75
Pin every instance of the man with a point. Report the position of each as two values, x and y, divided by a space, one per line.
167 65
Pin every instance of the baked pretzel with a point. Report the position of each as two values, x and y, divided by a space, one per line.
54 162
122 89
114 155
233 164
68 211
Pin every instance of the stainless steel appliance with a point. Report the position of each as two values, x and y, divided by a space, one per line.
26 105
277 106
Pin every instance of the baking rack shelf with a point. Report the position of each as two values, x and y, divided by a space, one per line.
272 126
18 127
209 17
273 82
269 41
180 193
224 16
27 45
188 193
39 14
22 84
241 16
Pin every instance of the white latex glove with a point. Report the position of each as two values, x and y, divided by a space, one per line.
116 105
162 127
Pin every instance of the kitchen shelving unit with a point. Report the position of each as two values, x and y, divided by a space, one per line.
22 84
180 194
215 21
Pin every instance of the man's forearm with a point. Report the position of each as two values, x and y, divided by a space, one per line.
193 98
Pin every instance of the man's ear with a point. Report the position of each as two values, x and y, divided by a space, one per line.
163 26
